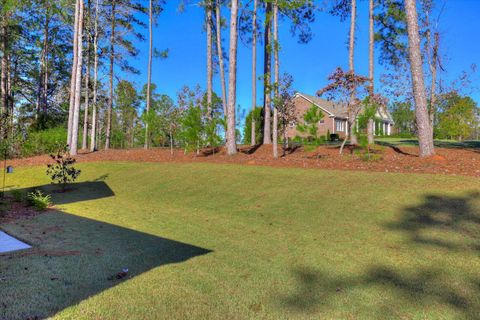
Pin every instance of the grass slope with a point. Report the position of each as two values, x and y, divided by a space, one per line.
236 242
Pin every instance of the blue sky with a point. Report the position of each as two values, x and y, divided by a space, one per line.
310 64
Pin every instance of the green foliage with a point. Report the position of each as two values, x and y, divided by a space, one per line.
62 171
309 127
17 195
370 108
42 142
192 128
404 117
257 114
366 151
164 118
457 118
200 123
124 121
39 200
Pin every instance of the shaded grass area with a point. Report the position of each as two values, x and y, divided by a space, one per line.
413 142
224 241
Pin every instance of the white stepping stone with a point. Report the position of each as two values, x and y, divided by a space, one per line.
9 243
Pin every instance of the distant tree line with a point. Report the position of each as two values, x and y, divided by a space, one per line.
64 64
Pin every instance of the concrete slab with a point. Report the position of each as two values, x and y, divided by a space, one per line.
9 243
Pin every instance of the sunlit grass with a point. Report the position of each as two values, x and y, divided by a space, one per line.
237 242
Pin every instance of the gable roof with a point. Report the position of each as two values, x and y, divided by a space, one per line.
330 107
339 110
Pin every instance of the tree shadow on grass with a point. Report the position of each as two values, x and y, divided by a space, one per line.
470 145
450 224
74 258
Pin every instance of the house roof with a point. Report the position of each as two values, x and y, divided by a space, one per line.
339 110
332 108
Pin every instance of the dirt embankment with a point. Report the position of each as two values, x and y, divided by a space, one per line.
393 159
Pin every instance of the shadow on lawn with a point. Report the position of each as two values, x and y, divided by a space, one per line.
74 258
471 145
450 223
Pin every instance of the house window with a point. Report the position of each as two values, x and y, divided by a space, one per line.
321 121
339 125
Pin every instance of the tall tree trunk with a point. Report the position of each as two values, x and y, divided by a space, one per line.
112 61
351 55
433 71
42 87
254 71
78 83
10 79
4 63
267 98
220 57
425 132
371 66
93 135
209 58
74 73
276 79
87 81
38 101
149 71
45 62
232 80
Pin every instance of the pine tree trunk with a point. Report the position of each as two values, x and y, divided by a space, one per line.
149 71
93 132
220 57
254 71
351 54
74 73
45 67
9 89
87 82
4 63
267 98
209 58
78 83
425 133
112 60
371 66
39 89
433 71
276 79
232 80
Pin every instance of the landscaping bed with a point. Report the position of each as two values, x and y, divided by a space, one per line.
455 161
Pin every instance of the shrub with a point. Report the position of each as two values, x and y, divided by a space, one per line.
334 137
42 142
257 114
39 200
62 171
18 195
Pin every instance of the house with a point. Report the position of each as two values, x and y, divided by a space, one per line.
335 117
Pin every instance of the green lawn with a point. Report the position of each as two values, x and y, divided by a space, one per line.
205 241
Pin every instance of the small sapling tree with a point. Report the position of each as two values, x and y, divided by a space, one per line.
372 104
62 171
309 127
285 106
343 88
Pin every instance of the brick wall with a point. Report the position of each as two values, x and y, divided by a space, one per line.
301 106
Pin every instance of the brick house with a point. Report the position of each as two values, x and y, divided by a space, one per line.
335 117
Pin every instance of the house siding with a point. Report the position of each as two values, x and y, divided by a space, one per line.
301 107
